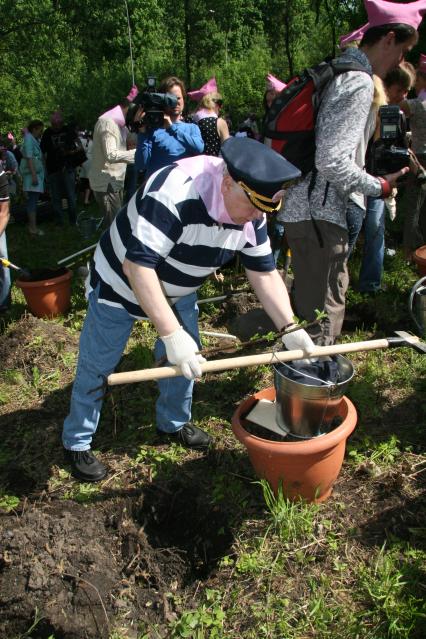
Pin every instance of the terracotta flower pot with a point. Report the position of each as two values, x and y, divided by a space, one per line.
306 469
48 297
419 257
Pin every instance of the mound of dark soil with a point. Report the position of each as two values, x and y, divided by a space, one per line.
244 315
41 274
36 342
75 568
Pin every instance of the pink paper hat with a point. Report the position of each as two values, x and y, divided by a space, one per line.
132 93
273 83
10 136
354 36
382 12
209 87
422 63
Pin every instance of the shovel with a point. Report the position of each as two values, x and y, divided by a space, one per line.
403 339
8 264
68 259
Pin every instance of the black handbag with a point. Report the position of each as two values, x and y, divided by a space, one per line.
78 156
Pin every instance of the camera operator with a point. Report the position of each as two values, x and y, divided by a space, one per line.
109 159
315 208
173 140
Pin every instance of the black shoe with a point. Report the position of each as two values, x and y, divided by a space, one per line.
189 436
85 466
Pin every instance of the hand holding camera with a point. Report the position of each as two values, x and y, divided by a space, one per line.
167 122
389 156
392 178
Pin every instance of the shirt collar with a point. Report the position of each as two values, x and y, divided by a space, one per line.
354 53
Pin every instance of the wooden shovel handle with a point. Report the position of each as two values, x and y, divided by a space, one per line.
248 360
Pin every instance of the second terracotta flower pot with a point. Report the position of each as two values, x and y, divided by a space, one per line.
306 469
419 257
50 296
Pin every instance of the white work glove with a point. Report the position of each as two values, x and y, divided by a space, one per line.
181 350
300 340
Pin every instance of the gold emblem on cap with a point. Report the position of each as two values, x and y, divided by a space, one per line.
261 201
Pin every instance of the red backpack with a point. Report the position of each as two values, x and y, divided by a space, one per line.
290 122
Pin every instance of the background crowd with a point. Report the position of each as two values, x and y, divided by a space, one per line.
60 162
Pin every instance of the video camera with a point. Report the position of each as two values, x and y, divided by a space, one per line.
389 153
154 105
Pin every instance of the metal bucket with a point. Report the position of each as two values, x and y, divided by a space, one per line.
305 411
417 305
87 224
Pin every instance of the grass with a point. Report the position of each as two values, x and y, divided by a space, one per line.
351 568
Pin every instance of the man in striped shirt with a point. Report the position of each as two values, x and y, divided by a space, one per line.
191 219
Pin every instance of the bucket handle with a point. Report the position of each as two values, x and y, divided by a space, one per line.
416 286
317 379
86 215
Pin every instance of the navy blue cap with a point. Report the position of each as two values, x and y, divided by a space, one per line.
259 170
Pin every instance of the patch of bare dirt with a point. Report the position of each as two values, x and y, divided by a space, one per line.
35 342
130 556
244 315
80 569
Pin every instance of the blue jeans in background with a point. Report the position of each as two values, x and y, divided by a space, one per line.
130 182
277 240
62 184
4 275
370 275
103 338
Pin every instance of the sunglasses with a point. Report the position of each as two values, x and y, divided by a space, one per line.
218 102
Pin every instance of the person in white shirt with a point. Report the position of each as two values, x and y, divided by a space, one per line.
109 159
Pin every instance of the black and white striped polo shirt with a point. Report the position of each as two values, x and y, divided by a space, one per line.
167 227
4 186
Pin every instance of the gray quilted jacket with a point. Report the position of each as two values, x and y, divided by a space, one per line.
341 122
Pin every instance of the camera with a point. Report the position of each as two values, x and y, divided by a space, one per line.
389 153
154 106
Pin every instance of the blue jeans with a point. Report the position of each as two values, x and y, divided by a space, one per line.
354 218
130 182
277 239
4 274
62 184
370 275
103 338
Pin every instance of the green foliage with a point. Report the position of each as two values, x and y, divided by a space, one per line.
77 56
383 454
293 521
204 621
8 502
160 458
393 610
82 493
